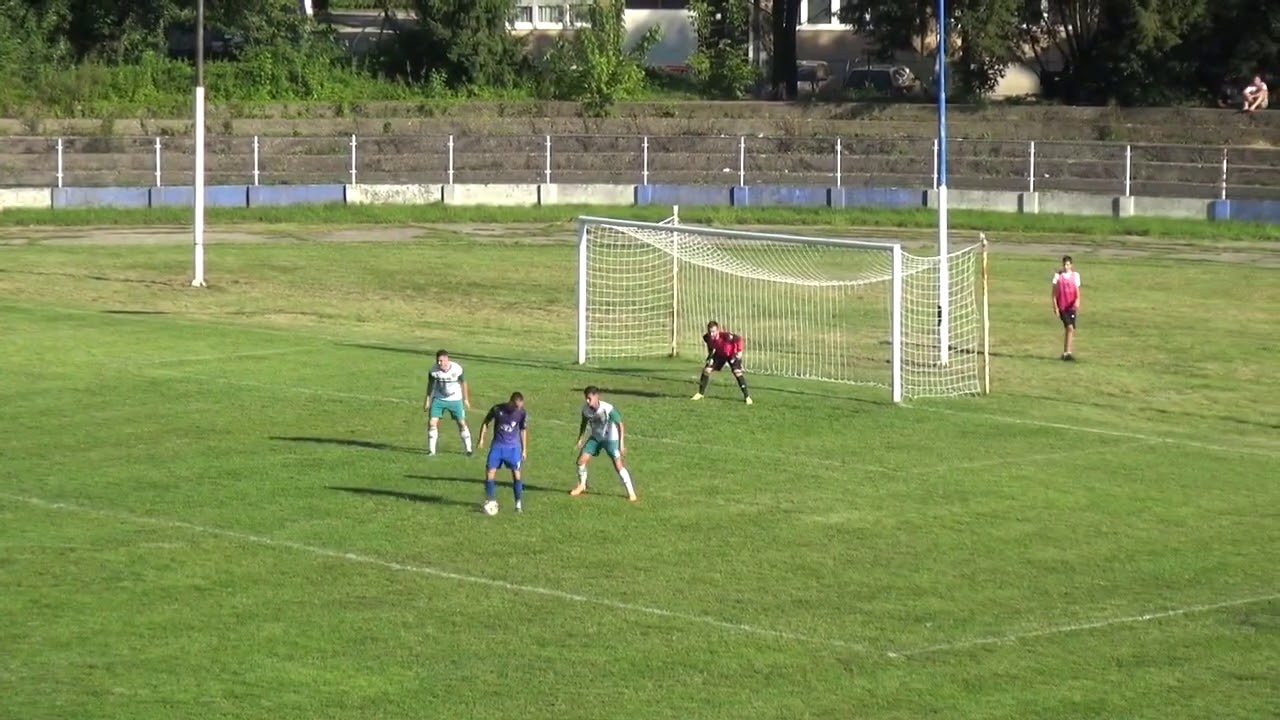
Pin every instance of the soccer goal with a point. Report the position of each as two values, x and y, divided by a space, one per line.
846 311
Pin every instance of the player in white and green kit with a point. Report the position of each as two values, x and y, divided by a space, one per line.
447 392
608 434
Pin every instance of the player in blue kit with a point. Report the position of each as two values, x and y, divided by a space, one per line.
510 445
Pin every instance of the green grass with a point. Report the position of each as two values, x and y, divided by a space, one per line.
177 540
1104 229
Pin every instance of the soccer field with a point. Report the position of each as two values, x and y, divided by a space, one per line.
215 504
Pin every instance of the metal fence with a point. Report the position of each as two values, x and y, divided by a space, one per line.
1101 168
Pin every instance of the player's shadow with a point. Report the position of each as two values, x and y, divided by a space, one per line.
349 442
480 481
135 312
401 495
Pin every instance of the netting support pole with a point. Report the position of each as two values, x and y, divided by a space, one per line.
582 292
675 293
986 322
895 325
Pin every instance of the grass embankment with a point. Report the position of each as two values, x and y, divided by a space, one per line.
960 220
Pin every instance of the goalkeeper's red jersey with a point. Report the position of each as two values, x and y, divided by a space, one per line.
726 345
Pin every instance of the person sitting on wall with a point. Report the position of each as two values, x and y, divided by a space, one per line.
1255 95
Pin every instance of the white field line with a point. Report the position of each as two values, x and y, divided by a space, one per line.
790 457
428 571
226 356
294 333
622 606
1100 431
1080 627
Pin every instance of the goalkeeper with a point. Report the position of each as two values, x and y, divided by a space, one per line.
723 348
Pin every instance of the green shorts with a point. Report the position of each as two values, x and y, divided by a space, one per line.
453 407
594 446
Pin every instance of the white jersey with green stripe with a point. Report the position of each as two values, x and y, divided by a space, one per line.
446 384
603 421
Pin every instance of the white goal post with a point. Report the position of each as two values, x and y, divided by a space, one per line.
849 311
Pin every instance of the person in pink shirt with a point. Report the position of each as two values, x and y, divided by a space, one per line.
1066 303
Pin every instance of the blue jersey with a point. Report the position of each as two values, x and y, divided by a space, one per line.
508 422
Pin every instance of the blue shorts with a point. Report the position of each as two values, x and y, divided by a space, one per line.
503 456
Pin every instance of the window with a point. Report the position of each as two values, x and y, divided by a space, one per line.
656 4
580 15
522 15
551 14
819 12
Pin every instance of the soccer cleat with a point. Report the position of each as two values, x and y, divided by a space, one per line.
632 497
696 396
581 488
749 401
519 507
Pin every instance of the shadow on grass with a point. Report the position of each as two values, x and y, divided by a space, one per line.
350 442
1128 406
401 495
480 481
90 276
645 373
136 312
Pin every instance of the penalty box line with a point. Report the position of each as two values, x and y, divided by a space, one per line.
790 457
621 606
1100 431
1080 627
427 570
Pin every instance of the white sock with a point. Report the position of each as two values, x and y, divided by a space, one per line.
465 434
625 474
432 435
582 475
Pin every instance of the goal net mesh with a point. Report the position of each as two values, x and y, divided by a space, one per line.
806 310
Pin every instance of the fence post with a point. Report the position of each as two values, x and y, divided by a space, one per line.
157 162
935 163
839 173
1223 195
644 159
1128 169
1031 167
742 161
546 175
450 159
256 172
59 160
353 158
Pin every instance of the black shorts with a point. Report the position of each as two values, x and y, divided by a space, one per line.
1068 317
717 363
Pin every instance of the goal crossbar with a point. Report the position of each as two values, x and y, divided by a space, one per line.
699 230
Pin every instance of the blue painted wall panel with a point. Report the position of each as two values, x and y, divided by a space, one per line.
690 195
902 198
780 195
101 197
233 196
1219 210
262 195
1254 210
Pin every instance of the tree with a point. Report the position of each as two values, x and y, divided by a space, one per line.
464 43
1124 51
984 32
595 67
784 74
722 62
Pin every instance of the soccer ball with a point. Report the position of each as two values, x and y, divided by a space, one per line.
490 507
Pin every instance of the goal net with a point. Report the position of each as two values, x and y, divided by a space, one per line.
846 311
